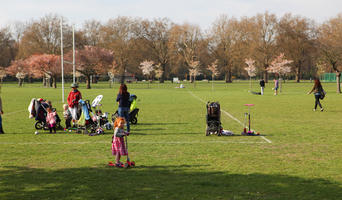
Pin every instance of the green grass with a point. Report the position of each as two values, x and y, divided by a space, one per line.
175 160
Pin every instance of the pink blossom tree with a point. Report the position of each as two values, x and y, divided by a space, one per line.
279 66
91 61
147 68
214 72
251 70
194 70
47 65
19 69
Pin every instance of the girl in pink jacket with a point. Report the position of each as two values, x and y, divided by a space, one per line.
51 120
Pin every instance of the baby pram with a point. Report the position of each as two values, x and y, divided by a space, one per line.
133 114
37 109
86 123
213 119
101 118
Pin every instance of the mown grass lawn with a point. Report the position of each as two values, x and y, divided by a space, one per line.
298 158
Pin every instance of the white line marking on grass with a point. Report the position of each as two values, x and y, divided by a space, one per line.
267 140
134 142
13 112
231 116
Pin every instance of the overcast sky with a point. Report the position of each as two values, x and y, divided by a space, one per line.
201 12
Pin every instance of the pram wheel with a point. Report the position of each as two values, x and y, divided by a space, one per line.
134 120
39 125
207 133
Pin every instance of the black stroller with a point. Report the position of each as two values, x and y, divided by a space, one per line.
213 118
133 116
37 109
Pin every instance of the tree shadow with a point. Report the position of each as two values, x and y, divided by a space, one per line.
157 182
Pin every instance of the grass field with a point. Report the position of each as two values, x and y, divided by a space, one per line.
299 156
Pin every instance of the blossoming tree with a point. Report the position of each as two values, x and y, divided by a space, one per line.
18 69
147 68
279 66
251 70
214 72
194 71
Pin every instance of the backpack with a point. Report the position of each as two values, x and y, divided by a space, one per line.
323 93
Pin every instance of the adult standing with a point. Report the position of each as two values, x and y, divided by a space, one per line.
1 112
124 104
73 98
262 86
318 92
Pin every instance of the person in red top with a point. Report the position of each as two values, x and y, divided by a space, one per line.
73 98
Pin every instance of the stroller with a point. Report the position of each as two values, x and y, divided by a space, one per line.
101 118
213 119
86 123
133 114
37 109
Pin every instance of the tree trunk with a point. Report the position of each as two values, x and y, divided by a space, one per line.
298 73
228 76
44 81
54 82
88 81
162 78
338 78
265 73
50 82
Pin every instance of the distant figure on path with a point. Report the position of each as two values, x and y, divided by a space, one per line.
262 86
318 92
73 98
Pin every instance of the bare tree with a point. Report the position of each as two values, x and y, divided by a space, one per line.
265 40
8 49
185 43
296 39
156 36
117 35
330 46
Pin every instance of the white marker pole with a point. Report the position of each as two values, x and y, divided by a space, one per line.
62 60
73 55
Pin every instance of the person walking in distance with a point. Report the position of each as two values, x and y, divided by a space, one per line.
318 92
262 86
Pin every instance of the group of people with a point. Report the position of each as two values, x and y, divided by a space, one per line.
123 98
317 89
262 86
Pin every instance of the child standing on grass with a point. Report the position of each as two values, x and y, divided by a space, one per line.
118 144
276 86
67 116
51 120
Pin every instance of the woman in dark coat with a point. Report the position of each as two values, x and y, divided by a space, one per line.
318 91
124 104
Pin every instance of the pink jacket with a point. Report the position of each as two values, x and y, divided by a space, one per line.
50 118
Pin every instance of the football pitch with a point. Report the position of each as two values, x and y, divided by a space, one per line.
297 156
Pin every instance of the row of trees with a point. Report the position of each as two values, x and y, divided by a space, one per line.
184 50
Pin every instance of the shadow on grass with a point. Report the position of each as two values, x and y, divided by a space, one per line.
150 124
157 182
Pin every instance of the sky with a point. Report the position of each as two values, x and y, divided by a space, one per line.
200 12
